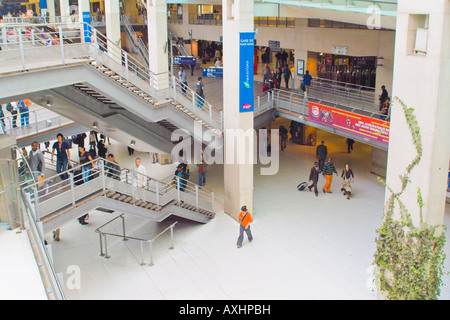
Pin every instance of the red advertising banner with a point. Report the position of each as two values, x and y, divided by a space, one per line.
366 127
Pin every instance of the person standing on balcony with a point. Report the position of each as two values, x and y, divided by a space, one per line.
37 162
62 155
183 80
202 172
306 82
33 18
140 174
86 162
266 73
384 95
287 76
199 89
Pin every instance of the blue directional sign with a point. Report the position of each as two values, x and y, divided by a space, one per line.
213 72
246 55
184 60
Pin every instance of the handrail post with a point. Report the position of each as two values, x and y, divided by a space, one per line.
35 120
72 186
212 200
178 189
142 253
101 244
193 100
174 84
22 53
123 228
125 54
103 176
171 237
132 184
196 197
36 203
32 37
61 43
157 194
106 248
151 253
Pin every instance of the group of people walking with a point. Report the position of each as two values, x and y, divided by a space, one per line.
325 166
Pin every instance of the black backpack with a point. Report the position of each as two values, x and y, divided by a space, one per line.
9 107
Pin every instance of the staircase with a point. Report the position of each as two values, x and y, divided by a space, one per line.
115 189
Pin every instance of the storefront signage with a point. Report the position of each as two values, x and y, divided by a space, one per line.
212 72
246 61
184 60
366 127
339 50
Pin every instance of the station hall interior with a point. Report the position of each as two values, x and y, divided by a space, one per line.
156 93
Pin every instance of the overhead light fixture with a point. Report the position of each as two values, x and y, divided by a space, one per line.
133 143
95 125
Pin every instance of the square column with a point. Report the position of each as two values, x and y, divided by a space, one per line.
238 177
65 9
421 78
158 46
112 16
84 11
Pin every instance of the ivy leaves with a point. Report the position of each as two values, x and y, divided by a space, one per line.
409 258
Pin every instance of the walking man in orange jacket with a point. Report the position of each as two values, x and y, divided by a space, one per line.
245 218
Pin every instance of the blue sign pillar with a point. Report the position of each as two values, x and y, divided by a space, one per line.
43 4
86 27
246 55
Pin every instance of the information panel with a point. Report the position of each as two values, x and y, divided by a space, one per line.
212 72
184 60
366 127
246 60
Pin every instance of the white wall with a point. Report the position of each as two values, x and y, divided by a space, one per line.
303 39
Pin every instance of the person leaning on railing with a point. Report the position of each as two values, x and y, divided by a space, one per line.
112 168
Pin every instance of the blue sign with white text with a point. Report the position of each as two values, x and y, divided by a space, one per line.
246 55
212 72
184 60
86 27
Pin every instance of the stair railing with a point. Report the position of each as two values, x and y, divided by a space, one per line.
100 175
101 51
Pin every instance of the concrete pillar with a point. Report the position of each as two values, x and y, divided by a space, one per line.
51 10
158 43
64 8
421 81
84 11
238 178
378 162
112 16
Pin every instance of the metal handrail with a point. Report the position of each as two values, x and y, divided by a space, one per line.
103 239
108 53
50 273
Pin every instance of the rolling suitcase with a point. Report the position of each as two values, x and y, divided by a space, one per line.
302 186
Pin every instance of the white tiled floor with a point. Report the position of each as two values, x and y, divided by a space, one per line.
19 274
305 247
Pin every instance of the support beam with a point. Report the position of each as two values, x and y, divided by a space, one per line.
158 44
428 95
238 177
112 16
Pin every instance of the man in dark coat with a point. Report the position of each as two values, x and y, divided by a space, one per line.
321 154
314 177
